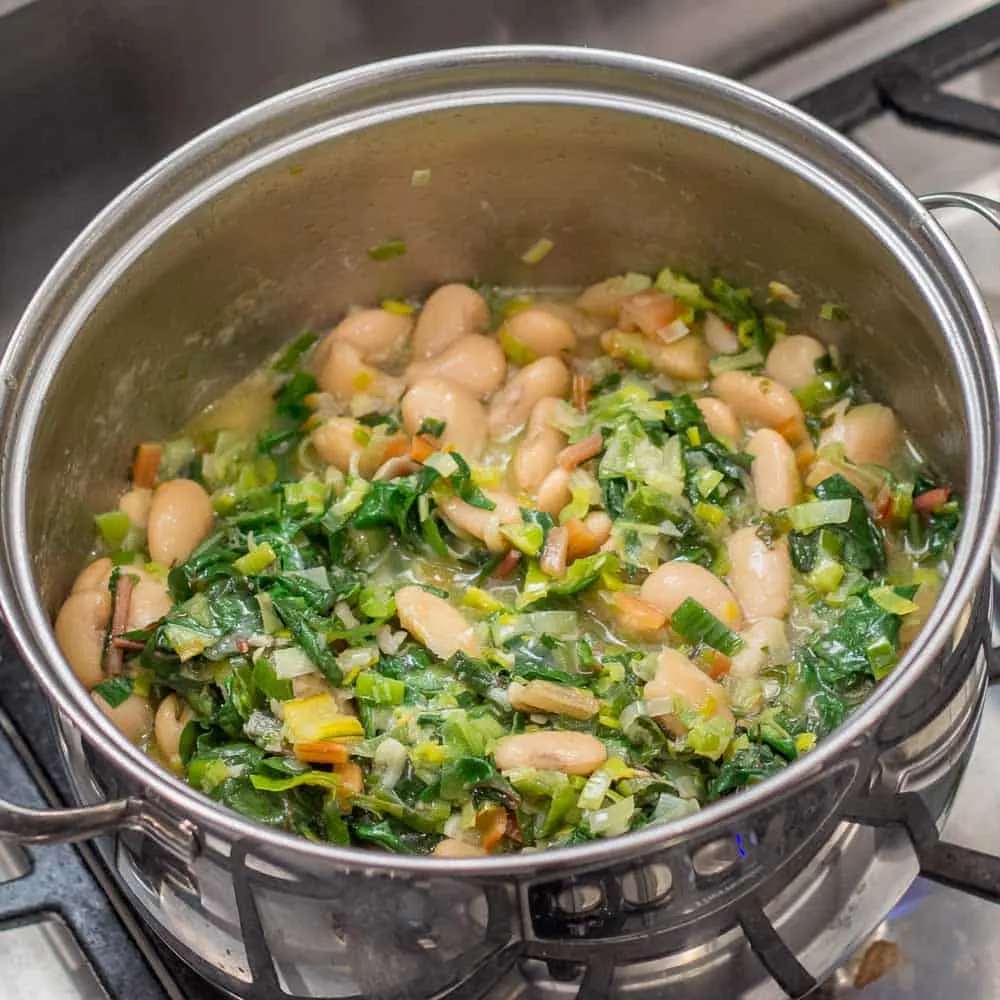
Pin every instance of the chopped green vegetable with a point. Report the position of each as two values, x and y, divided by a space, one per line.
888 600
528 538
114 528
584 573
517 353
256 560
864 545
749 764
751 358
538 251
354 652
381 690
823 391
434 428
684 289
292 354
806 517
115 690
778 291
387 250
269 682
833 311
696 623
861 646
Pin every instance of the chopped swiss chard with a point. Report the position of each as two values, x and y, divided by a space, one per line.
694 622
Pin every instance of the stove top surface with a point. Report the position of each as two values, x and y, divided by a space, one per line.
65 931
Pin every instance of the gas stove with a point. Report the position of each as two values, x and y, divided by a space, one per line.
917 85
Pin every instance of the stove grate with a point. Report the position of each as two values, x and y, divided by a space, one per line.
909 81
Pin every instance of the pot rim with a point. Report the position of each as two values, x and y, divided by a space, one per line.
953 298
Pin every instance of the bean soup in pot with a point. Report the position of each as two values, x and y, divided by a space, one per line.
506 570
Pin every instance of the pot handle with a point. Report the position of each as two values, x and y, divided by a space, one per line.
989 210
68 826
32 825
981 205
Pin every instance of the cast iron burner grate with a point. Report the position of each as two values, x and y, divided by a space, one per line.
908 83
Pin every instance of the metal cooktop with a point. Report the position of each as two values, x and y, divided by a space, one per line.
94 91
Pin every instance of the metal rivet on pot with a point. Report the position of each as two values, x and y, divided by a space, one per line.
579 899
647 885
715 859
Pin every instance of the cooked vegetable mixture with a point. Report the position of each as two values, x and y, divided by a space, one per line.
503 571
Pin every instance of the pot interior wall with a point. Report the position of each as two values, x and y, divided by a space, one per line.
285 248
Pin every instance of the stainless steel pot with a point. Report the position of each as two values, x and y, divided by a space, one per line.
259 228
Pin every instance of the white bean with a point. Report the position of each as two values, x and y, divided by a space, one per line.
792 361
775 474
869 433
539 332
475 362
512 405
584 326
649 311
458 409
394 468
720 336
765 641
345 376
559 699
180 518
762 402
554 492
536 453
480 523
79 628
669 585
689 688
761 577
94 576
337 441
823 468
604 299
435 623
150 599
452 848
599 525
135 505
686 359
375 334
340 439
552 750
449 313
133 717
172 718
719 419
